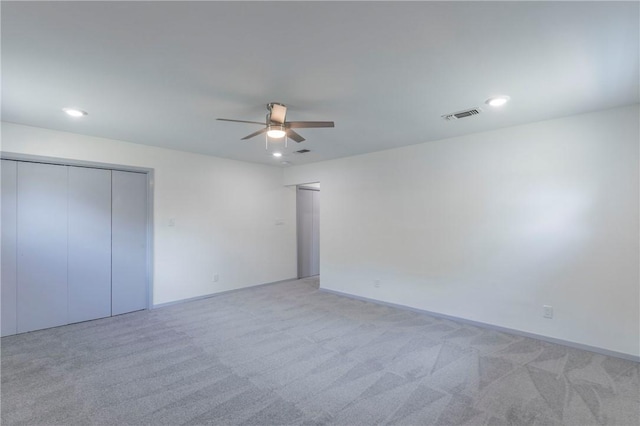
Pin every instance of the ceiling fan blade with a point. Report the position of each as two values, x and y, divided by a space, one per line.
308 124
239 121
259 132
295 136
278 113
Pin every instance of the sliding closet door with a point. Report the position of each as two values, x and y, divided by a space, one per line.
89 281
42 246
129 242
9 240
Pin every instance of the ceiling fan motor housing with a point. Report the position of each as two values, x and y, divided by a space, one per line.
277 113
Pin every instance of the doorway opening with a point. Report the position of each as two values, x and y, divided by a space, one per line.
308 229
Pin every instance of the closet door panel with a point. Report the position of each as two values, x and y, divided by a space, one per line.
9 251
129 242
89 267
42 246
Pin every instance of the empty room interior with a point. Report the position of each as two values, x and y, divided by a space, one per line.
320 213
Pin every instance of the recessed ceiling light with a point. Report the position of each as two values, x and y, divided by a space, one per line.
277 154
497 101
74 112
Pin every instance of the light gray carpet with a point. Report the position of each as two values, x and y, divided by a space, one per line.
289 354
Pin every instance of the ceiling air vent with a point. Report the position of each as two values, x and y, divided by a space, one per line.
302 151
462 114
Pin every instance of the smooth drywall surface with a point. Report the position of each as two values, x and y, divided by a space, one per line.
490 227
211 216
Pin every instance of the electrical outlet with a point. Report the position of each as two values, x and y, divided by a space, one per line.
376 283
547 311
216 278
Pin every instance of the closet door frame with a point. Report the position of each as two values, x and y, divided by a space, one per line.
108 166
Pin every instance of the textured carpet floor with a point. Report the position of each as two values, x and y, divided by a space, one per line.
289 354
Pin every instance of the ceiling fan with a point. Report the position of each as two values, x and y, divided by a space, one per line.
276 125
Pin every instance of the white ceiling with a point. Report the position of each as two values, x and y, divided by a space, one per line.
159 73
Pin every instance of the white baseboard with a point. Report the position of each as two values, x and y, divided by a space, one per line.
568 343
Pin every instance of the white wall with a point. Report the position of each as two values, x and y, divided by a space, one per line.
490 227
225 211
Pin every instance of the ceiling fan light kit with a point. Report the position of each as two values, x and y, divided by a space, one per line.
276 131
